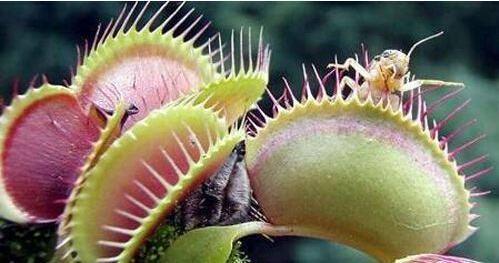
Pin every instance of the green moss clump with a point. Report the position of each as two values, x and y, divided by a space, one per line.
26 243
237 255
156 245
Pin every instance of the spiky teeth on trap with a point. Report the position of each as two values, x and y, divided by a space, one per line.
142 177
369 175
151 65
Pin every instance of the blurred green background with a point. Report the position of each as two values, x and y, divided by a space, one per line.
41 38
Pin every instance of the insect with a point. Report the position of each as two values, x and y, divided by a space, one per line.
225 198
387 75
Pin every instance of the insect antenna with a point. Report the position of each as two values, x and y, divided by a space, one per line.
422 41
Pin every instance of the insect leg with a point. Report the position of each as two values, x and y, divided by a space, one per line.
393 100
350 62
347 81
394 69
428 82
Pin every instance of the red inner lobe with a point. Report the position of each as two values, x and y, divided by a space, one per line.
124 183
43 153
127 186
144 75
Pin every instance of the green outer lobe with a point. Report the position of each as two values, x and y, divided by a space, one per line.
355 189
95 203
214 244
233 96
208 245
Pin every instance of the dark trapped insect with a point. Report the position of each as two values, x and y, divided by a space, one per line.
224 199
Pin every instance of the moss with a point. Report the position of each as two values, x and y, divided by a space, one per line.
26 243
155 246
237 255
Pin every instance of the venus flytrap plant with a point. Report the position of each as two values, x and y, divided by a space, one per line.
364 170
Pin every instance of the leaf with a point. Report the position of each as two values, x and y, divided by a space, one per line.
214 244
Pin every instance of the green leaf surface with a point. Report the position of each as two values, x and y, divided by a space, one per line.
214 244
